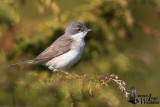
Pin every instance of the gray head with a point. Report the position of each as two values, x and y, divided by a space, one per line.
75 28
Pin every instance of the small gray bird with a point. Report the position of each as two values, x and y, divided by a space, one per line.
65 51
132 98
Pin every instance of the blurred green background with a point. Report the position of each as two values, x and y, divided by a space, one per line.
125 42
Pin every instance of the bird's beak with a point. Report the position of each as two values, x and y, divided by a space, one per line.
89 30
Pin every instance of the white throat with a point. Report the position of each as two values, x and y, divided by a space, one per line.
81 35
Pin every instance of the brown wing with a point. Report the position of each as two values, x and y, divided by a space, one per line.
60 46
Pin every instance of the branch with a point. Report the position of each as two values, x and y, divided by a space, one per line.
106 79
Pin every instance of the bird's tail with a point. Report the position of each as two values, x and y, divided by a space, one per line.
24 62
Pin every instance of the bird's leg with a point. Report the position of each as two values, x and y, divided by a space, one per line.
50 73
65 72
55 70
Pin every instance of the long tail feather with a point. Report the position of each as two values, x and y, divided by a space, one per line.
25 62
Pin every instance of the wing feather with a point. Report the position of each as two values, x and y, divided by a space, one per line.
57 48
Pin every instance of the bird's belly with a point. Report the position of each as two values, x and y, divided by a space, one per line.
68 59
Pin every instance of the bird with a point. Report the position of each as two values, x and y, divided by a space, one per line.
132 98
64 51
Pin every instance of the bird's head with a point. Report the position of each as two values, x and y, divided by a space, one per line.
77 29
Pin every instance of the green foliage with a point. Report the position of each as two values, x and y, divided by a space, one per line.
116 45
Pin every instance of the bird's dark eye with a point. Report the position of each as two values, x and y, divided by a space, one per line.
79 29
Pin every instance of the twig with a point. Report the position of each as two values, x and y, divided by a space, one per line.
113 77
